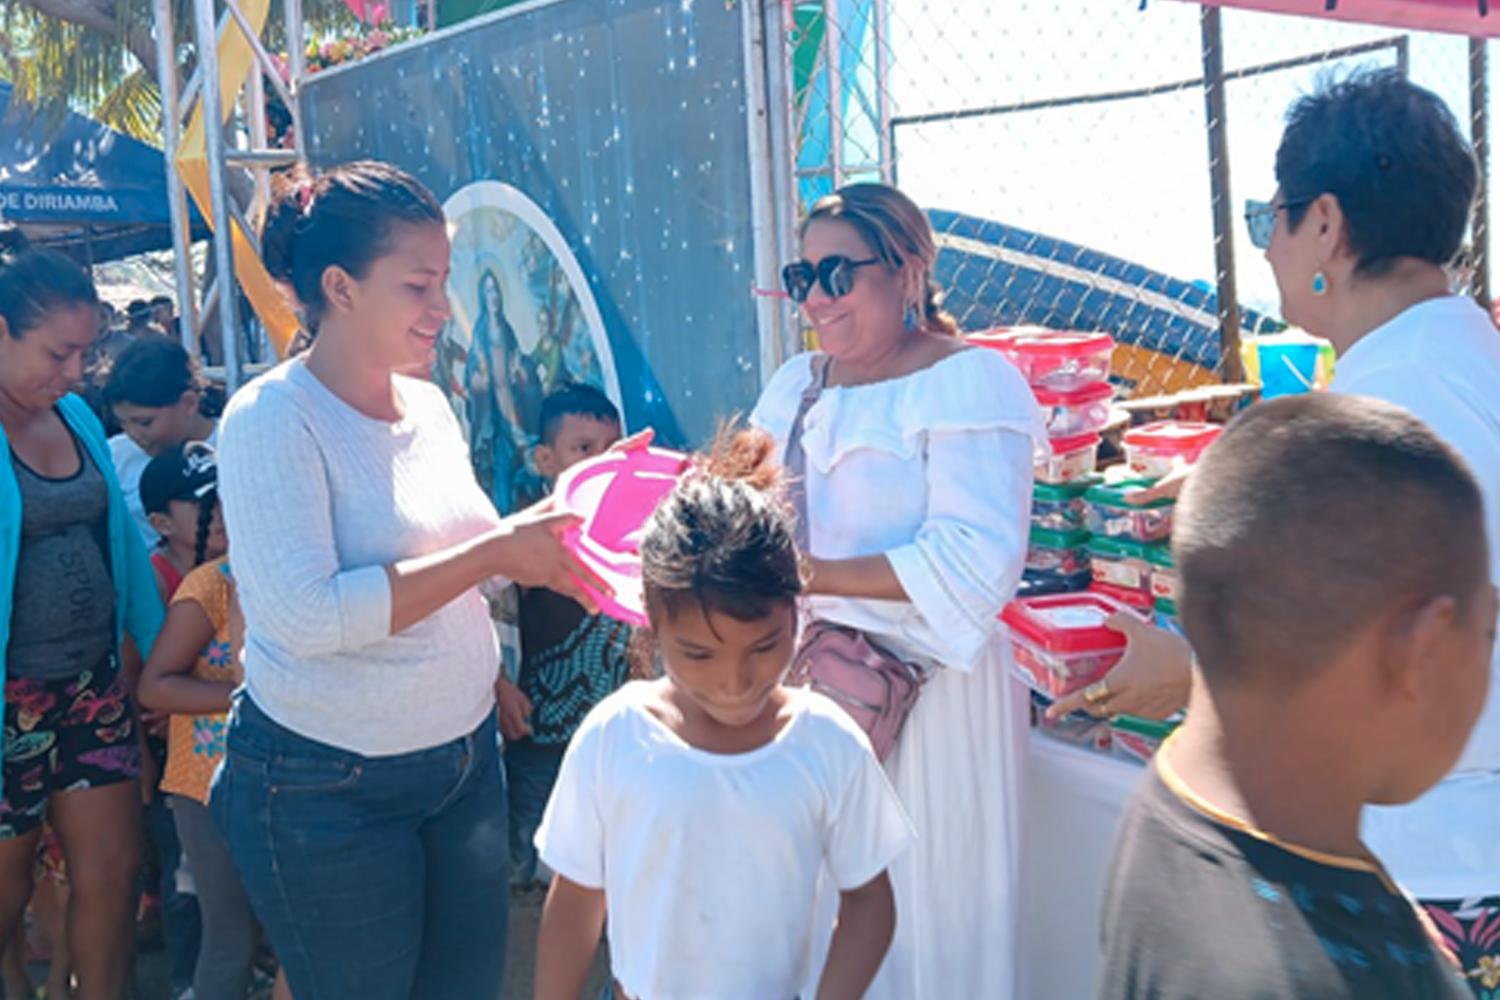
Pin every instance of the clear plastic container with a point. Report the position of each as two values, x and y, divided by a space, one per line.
1072 459
1156 449
1136 739
1055 554
1122 562
1076 412
1110 515
1164 582
1060 506
1061 360
1060 642
1079 729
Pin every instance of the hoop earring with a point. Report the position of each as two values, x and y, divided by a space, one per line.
911 317
1320 283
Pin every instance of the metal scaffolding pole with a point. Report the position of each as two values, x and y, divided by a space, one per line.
182 261
223 246
240 145
1230 365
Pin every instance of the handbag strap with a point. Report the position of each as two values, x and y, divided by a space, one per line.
796 456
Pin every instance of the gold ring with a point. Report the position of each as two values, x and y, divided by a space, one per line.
1096 692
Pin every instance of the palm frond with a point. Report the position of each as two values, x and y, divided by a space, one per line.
134 107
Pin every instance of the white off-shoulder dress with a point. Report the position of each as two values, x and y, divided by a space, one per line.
934 470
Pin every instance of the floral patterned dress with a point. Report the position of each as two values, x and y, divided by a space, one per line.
195 743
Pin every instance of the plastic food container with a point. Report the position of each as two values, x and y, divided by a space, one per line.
1060 506
1156 449
1164 583
1061 360
1061 644
1136 739
1079 729
1123 563
1075 412
1109 514
1165 615
1057 553
1072 458
1004 338
1130 598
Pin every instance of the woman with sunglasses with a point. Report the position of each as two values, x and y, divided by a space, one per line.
1375 186
917 473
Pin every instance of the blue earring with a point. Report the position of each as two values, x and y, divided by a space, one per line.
1320 283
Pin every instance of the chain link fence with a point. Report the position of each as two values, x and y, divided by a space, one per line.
1062 149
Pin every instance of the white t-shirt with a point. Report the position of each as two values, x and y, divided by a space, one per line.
130 462
1440 359
710 862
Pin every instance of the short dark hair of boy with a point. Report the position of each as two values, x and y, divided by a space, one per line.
1311 517
575 399
1393 155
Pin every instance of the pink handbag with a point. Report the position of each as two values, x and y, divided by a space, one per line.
876 687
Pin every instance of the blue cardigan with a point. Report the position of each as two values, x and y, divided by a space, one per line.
138 607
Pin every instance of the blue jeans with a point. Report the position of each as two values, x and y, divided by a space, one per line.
376 878
530 772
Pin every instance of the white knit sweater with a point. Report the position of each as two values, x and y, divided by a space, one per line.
318 500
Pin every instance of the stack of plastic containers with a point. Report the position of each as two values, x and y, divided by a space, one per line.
1069 375
1130 544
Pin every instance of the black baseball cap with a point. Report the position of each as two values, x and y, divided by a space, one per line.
187 472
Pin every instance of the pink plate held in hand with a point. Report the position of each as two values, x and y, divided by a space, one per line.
615 495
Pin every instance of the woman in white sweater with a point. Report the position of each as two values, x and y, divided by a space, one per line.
361 795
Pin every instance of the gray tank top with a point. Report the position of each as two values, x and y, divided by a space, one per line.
63 620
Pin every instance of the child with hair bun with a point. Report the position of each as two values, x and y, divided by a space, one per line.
699 811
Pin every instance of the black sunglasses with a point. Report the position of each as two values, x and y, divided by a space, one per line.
1260 218
834 272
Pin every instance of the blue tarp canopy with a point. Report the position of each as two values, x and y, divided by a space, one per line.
83 188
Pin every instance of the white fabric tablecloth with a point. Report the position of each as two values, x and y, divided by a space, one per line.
1074 799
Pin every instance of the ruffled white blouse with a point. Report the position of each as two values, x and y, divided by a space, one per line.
932 469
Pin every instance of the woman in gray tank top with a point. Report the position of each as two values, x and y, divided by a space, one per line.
74 581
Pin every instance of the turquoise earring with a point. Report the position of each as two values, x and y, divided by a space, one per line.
1320 283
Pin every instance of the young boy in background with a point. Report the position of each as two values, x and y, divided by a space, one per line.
1336 591
570 660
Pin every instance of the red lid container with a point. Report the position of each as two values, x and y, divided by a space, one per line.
1074 412
1053 359
1051 344
1178 437
1144 603
1066 623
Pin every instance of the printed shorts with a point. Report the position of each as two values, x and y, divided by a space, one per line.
63 736
1471 930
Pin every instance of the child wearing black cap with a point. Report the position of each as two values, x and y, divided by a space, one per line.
179 491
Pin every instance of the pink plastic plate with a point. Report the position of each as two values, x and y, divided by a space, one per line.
615 495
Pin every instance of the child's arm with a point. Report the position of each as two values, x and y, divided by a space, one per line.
572 920
514 710
867 920
165 684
